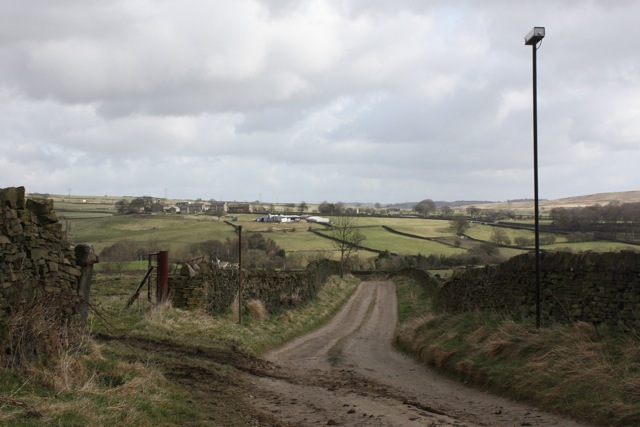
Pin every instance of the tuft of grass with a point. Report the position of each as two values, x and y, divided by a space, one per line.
580 370
257 309
159 310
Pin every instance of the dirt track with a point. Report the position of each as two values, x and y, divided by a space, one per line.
347 373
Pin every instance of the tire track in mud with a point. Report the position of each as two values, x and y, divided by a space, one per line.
215 378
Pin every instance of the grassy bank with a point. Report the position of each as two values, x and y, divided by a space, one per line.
258 333
587 373
148 366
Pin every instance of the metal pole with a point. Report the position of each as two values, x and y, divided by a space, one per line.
535 183
162 293
240 274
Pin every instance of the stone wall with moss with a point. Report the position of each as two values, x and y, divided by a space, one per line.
213 289
37 262
590 287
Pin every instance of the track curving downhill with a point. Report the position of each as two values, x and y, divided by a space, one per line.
347 373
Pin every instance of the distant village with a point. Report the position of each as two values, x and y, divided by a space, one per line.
230 208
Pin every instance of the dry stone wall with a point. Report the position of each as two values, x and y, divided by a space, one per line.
213 289
37 262
590 287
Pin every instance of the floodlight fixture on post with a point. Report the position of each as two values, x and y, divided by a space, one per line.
534 36
532 39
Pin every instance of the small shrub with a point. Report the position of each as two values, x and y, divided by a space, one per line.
257 309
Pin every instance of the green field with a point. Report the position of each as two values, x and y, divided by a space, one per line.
173 232
380 239
93 221
300 241
422 227
176 232
597 246
484 231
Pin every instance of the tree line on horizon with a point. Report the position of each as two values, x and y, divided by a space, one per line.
615 220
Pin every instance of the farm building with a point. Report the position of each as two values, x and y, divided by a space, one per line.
278 218
191 207
218 208
234 207
157 208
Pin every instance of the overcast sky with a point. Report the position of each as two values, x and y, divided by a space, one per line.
338 100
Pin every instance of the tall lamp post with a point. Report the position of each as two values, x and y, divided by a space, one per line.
532 39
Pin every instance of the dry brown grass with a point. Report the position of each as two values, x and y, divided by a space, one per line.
406 332
495 348
235 308
67 371
256 309
435 356
76 383
285 317
115 400
159 311
296 299
578 369
43 343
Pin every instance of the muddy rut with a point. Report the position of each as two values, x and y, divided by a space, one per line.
347 373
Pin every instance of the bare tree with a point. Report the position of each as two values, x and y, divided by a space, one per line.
347 238
446 211
473 212
460 224
500 237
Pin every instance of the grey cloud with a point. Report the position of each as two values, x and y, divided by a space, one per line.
356 100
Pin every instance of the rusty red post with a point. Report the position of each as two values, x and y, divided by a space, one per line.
162 293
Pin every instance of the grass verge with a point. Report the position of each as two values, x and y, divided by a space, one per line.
200 329
587 373
155 365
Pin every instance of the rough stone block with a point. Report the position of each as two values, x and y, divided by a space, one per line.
42 207
10 214
39 253
46 219
53 266
12 197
